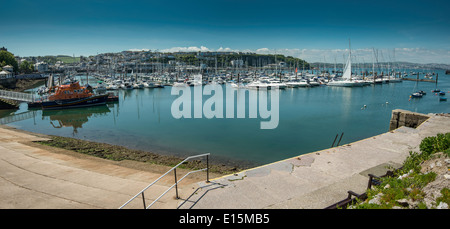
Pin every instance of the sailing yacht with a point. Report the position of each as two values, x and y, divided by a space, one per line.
346 80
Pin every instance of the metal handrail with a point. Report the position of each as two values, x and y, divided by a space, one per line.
20 96
176 181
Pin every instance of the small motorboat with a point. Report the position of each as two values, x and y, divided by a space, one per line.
416 95
422 92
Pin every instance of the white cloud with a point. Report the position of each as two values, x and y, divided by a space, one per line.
187 49
139 50
263 50
221 49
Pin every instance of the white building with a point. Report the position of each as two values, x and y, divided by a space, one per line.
8 72
5 74
237 63
41 67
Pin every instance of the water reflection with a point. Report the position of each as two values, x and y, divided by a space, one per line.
74 118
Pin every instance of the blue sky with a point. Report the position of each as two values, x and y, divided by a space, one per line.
314 30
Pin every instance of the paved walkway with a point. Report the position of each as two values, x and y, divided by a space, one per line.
38 177
318 179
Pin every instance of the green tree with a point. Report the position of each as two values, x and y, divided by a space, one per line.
26 67
7 58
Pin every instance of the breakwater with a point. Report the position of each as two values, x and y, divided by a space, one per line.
406 118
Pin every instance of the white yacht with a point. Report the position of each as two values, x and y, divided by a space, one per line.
112 86
346 80
314 83
138 85
100 88
126 85
258 84
297 83
179 83
276 83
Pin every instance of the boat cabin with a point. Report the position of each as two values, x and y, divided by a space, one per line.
70 91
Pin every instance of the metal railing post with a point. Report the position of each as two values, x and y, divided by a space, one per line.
207 168
174 185
334 140
340 138
176 182
143 199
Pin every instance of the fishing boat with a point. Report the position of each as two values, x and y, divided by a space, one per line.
72 95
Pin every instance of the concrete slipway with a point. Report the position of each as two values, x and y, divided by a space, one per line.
36 177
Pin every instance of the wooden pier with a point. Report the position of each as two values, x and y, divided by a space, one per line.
421 80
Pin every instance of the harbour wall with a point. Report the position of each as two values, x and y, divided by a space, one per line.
406 118
8 82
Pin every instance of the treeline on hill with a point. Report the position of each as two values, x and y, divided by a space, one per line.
53 59
247 60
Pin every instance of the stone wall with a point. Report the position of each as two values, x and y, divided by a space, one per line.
406 118
7 83
8 104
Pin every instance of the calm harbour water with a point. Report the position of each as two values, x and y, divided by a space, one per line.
309 119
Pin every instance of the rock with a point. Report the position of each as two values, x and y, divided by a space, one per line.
374 201
403 202
403 176
442 205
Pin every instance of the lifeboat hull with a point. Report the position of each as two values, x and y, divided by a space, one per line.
73 103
